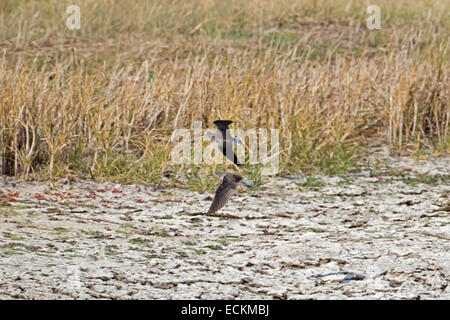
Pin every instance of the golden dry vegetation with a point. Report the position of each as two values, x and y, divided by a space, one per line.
104 100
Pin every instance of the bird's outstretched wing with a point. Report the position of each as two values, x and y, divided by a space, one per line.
223 194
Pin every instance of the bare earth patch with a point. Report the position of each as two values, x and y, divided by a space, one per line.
364 235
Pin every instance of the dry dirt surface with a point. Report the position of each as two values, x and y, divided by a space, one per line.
367 235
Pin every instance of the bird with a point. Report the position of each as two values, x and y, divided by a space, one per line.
228 187
225 140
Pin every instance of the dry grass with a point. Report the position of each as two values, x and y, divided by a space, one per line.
105 99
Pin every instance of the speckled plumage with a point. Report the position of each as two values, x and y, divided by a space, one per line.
224 191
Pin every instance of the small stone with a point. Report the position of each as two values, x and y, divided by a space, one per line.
63 181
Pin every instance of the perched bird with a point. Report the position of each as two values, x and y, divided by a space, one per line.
228 186
225 140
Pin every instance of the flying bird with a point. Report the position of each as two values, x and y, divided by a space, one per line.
225 140
228 187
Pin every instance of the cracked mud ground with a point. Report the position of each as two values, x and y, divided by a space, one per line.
365 235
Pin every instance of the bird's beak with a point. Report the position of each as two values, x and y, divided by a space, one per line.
247 183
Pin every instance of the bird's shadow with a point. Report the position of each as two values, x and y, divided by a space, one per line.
216 215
